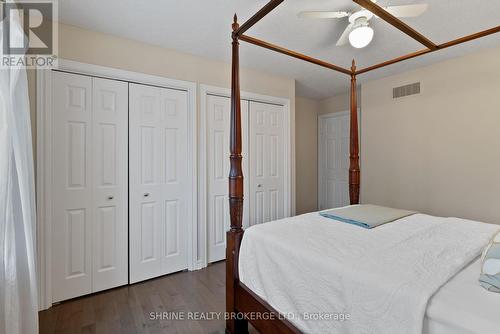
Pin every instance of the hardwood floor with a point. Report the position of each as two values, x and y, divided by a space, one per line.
128 309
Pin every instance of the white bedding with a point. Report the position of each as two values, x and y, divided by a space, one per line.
309 266
462 306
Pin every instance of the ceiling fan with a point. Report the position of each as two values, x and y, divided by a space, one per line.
358 32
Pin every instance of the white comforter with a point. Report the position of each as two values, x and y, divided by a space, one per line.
309 267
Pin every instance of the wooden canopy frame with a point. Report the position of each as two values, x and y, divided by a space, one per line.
242 304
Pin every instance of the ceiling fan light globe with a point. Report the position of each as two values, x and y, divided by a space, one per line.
361 37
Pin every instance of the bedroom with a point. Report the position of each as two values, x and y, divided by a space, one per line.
131 133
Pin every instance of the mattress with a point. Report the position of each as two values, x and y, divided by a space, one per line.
463 306
268 265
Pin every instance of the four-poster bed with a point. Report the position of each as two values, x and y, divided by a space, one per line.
239 298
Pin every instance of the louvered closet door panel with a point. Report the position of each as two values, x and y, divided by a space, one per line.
159 186
218 222
72 186
110 174
266 162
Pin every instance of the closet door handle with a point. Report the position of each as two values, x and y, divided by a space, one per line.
110 197
259 185
146 195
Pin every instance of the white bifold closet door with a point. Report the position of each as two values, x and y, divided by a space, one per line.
89 190
218 113
263 167
159 187
266 162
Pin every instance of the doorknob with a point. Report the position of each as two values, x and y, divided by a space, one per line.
146 195
259 185
110 197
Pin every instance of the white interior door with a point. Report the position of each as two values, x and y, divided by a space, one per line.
159 183
110 184
266 162
89 140
217 117
72 186
333 178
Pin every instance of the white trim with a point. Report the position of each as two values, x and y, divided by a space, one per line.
128 76
44 187
202 260
44 163
321 118
206 90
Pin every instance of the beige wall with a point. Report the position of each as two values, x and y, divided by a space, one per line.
335 103
306 118
106 50
306 148
437 152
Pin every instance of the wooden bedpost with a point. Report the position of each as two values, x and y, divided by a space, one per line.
235 234
354 170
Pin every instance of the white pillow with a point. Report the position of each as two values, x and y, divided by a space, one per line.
490 265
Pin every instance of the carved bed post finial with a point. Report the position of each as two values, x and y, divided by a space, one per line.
235 24
354 170
235 234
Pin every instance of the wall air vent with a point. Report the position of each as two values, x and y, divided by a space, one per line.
406 90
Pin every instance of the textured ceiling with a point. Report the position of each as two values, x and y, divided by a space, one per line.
202 27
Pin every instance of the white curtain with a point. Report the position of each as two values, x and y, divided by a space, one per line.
18 287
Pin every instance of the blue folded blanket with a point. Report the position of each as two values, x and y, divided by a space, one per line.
366 215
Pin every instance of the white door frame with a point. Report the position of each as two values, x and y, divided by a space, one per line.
321 119
206 90
44 163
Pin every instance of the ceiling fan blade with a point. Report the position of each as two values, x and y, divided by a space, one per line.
323 15
344 38
408 10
